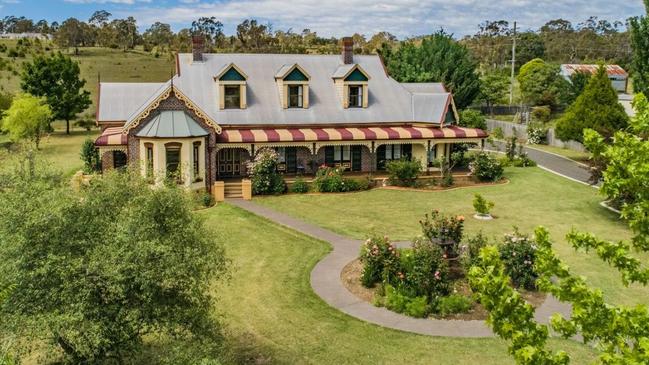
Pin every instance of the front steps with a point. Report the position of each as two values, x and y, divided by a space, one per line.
233 190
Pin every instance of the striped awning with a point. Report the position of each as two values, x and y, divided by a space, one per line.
346 134
111 137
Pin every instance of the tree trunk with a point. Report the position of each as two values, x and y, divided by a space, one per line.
67 126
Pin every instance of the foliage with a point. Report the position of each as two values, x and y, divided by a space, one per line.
537 133
510 148
99 269
471 250
401 303
443 230
5 102
498 133
438 58
380 260
87 122
300 186
57 79
28 117
423 271
404 172
597 108
264 175
522 159
578 82
510 316
486 167
541 113
453 304
494 86
90 156
330 180
639 36
518 253
541 83
472 119
482 205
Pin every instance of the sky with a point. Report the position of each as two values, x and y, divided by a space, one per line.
403 18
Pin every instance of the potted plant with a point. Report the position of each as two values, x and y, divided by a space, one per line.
482 207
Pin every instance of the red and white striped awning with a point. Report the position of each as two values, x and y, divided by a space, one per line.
346 134
111 137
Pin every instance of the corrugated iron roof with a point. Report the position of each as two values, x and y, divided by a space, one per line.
569 69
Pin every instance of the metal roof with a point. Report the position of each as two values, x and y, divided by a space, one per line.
569 69
425 87
118 100
389 101
172 124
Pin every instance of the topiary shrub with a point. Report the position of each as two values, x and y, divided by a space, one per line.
263 173
404 172
300 186
380 261
518 253
485 167
481 205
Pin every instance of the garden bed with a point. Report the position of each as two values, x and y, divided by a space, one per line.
351 278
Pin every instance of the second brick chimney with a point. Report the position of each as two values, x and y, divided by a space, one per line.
198 43
348 50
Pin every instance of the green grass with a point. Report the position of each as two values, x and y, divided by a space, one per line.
565 152
532 198
272 315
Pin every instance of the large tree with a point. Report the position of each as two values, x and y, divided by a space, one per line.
28 117
639 28
597 107
439 58
541 83
493 88
98 270
57 78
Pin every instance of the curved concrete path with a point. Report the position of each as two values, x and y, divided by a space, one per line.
327 283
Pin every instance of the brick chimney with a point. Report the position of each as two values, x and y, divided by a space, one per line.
348 50
198 43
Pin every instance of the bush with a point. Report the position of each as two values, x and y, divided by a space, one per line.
90 156
453 304
482 205
423 272
518 253
330 180
404 172
498 133
380 261
486 167
443 230
471 250
473 119
541 113
207 199
264 175
510 147
401 303
537 133
300 186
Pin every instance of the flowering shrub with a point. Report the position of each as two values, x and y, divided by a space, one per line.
380 261
300 186
423 271
518 253
264 175
486 167
404 172
444 231
536 133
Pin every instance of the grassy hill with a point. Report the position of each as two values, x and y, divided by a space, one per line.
112 64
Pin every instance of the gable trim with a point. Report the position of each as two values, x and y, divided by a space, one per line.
227 68
290 69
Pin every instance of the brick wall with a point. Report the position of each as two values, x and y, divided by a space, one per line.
107 162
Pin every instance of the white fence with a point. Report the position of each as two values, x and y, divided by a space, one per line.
520 131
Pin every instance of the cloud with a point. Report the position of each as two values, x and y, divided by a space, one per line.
400 17
127 2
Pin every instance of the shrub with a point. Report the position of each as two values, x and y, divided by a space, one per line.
453 304
536 133
423 272
328 180
485 167
90 156
471 250
264 175
510 147
444 231
518 253
380 261
401 303
300 186
207 199
482 205
473 119
498 133
541 113
404 172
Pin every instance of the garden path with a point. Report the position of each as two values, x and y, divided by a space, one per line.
326 283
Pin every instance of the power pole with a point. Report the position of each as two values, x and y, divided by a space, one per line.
511 81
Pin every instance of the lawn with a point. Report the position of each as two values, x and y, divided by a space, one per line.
533 197
273 317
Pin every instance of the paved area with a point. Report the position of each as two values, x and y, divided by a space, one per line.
552 162
326 283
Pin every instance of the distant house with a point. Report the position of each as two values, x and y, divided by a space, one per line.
218 110
619 78
25 36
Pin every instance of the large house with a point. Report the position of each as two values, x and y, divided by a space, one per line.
208 121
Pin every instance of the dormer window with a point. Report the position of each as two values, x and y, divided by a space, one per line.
293 86
231 87
352 84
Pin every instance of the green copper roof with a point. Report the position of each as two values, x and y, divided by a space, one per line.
296 75
356 75
232 75
172 124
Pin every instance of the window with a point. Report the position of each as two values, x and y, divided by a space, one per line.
232 97
173 159
390 152
347 157
196 155
149 159
355 96
119 159
295 96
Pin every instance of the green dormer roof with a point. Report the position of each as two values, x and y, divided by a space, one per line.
232 75
172 124
296 75
356 75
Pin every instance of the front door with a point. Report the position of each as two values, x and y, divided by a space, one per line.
230 162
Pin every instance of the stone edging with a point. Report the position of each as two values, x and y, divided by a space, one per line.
327 284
